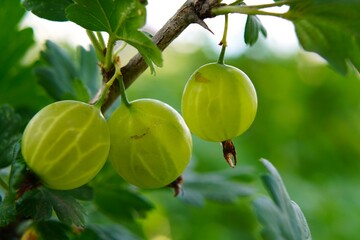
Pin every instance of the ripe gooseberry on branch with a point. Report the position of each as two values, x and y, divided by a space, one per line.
219 103
66 144
150 143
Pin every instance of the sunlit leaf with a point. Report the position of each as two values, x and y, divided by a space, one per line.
122 19
48 9
329 28
145 46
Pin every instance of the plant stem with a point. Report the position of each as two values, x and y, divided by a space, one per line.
109 53
268 5
96 44
123 45
223 41
117 75
101 40
106 88
249 10
3 184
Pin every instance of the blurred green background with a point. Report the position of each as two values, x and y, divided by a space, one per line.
307 125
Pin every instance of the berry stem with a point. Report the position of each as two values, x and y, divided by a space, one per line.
223 42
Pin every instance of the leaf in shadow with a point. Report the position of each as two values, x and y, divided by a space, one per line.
281 218
218 186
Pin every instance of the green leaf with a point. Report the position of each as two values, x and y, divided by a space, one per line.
51 230
80 90
329 28
39 202
253 27
35 204
49 9
282 218
7 210
121 19
145 46
84 193
17 79
108 232
121 204
88 73
92 15
18 173
60 76
10 133
114 198
270 217
301 220
10 31
67 209
219 187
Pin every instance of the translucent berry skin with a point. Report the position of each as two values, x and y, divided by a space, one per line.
150 143
219 102
66 144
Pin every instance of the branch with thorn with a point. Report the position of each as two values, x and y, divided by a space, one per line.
192 11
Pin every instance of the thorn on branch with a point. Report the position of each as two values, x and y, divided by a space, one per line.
204 25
